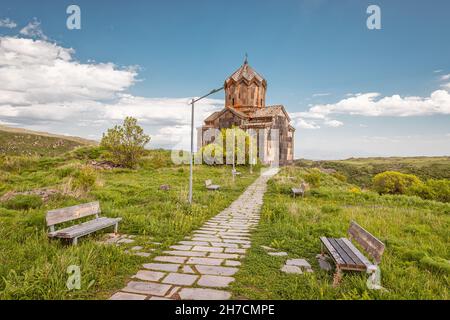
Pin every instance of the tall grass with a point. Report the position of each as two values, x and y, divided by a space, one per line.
415 264
34 267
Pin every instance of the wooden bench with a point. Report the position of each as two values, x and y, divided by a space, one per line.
58 216
347 257
300 191
210 186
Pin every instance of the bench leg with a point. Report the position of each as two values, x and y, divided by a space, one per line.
116 228
74 241
337 277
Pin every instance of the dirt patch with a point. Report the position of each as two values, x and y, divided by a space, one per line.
44 194
104 165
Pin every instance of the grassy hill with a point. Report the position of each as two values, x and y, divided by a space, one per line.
16 141
361 170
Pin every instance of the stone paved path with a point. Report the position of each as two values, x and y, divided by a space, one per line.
202 266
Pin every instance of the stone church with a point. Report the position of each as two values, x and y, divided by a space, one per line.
245 107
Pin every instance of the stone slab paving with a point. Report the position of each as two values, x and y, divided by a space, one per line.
202 266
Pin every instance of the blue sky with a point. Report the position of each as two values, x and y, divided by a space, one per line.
312 53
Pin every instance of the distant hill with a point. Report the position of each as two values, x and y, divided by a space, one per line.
361 170
17 141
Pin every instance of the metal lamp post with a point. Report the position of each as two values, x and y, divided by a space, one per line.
191 156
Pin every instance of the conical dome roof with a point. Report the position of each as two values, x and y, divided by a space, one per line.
246 72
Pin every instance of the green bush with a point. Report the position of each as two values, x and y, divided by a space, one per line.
438 190
313 178
88 153
392 182
23 202
339 176
84 179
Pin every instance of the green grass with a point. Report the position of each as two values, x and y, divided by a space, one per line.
415 264
361 170
34 267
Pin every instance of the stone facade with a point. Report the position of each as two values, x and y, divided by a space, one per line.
245 107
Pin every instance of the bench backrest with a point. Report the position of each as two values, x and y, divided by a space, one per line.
208 182
72 213
371 245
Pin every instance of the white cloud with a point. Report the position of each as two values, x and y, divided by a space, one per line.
306 124
33 29
372 105
445 77
321 94
7 23
33 69
333 123
438 71
43 87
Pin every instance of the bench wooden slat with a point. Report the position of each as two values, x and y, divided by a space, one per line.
332 251
361 257
372 245
71 213
351 253
87 228
348 262
77 226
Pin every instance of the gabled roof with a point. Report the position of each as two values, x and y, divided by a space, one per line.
212 116
246 72
270 111
217 114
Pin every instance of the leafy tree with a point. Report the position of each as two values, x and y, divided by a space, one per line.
125 144
220 149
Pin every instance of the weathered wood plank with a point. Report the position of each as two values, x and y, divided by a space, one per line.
371 245
72 213
336 257
348 261
355 250
356 261
87 228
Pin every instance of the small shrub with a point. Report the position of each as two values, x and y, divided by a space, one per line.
339 176
23 202
433 189
313 178
392 182
88 153
355 190
84 179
